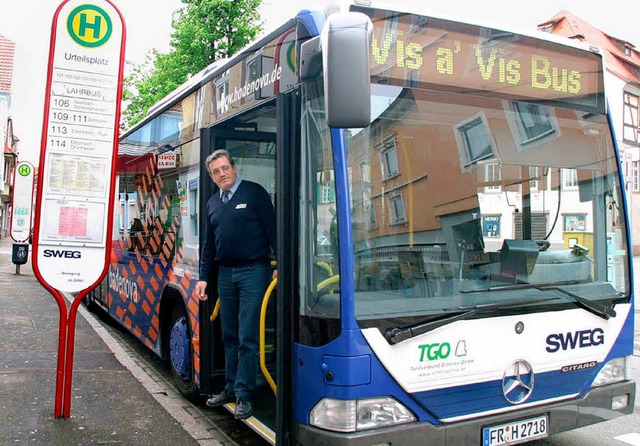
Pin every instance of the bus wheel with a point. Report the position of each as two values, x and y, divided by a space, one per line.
180 354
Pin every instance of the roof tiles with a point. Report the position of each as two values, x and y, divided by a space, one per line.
621 57
7 51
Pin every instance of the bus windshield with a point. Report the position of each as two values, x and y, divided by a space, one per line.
461 201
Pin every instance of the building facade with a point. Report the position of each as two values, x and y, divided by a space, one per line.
9 141
623 92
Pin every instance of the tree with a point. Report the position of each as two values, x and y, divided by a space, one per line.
203 31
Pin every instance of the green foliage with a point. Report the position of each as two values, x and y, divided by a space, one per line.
203 31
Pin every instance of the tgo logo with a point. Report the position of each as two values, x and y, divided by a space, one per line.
434 351
63 254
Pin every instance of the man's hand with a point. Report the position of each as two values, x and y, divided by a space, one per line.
201 290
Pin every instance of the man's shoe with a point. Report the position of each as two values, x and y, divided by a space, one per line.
244 409
220 399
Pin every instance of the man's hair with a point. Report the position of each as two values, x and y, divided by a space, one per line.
220 153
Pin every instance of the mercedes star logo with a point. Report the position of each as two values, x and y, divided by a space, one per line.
517 382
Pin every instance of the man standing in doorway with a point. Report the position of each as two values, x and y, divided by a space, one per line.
240 233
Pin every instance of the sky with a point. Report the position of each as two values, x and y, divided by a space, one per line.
148 25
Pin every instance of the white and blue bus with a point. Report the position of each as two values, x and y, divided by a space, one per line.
453 244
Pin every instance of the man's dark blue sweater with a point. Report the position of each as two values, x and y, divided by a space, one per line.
240 232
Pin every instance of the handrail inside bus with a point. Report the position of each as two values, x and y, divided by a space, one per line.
327 282
216 311
263 317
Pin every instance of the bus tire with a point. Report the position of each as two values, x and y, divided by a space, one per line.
179 353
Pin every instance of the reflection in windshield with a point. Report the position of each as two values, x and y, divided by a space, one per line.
452 193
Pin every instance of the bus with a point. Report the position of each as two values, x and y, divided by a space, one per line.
453 242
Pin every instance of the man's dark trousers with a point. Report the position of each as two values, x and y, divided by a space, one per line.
241 290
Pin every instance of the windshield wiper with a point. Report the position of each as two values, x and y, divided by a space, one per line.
519 286
603 311
399 334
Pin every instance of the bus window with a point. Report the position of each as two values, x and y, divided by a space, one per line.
452 196
320 274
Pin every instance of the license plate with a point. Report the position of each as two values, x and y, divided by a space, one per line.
516 431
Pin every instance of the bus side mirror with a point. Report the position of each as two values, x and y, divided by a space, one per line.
310 59
345 42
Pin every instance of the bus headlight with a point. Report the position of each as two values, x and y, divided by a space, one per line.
613 371
355 415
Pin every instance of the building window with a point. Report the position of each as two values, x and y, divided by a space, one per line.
326 187
531 124
389 156
365 174
492 174
396 207
418 24
569 178
6 174
365 185
635 177
412 77
222 93
533 174
256 66
122 215
630 125
192 186
372 222
327 195
474 139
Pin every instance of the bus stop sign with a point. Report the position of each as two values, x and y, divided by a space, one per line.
78 153
79 141
22 202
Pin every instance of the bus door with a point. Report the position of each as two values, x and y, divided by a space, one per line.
253 141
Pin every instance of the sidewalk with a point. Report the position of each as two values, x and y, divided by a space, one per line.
108 404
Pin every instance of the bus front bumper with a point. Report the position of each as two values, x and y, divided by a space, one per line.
594 407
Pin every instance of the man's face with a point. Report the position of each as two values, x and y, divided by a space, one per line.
223 173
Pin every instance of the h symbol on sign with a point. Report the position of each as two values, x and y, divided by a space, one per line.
85 25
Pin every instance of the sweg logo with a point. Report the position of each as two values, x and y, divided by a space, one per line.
124 286
434 351
577 339
62 254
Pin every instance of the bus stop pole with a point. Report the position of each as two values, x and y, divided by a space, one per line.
71 335
62 341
